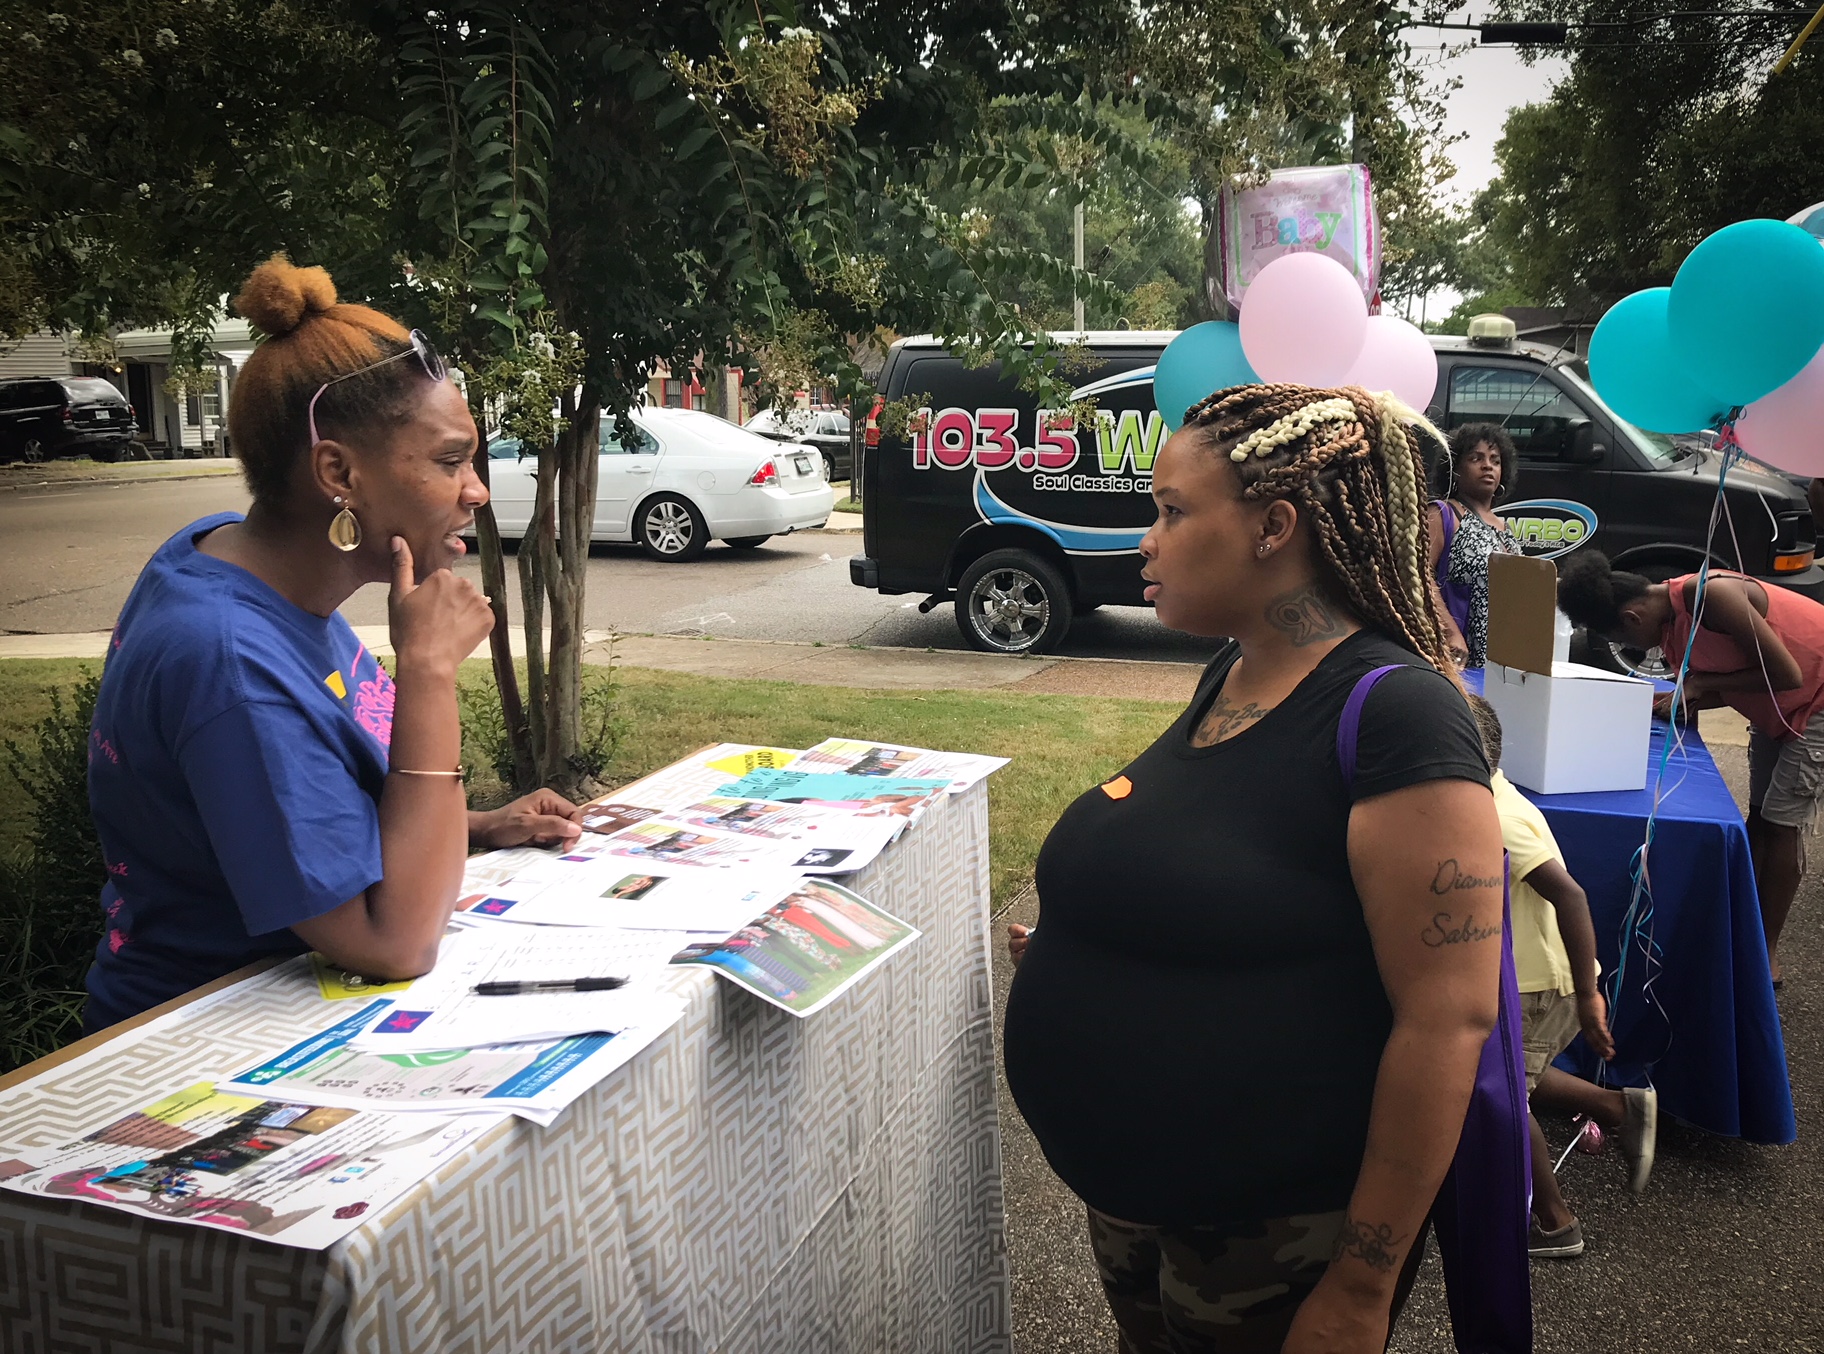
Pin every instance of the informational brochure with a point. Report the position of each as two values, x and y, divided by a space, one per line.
491 869
442 1011
298 1174
535 1080
339 984
815 944
698 775
608 817
858 757
650 898
857 796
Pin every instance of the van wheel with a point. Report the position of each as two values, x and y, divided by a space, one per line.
1012 601
672 530
1607 655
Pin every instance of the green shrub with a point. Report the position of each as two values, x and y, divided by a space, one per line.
50 910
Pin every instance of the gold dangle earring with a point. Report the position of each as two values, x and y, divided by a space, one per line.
344 529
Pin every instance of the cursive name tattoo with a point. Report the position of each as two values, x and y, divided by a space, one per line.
1225 719
1375 1245
1306 616
1446 930
1451 878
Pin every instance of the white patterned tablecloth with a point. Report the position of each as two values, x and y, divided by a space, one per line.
751 1182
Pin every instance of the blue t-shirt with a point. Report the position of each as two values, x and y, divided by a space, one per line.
235 769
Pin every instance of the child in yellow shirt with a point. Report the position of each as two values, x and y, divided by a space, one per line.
1555 962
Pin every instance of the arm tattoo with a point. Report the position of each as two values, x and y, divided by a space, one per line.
1224 720
1442 932
1451 878
1306 615
1375 1246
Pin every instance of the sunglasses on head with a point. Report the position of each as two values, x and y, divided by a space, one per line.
427 356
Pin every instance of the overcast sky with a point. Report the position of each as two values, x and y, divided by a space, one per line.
1495 80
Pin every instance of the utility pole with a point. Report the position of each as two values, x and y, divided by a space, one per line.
1077 296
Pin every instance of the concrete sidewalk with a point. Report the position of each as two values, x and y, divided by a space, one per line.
881 669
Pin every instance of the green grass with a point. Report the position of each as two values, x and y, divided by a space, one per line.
78 468
25 687
846 505
1059 745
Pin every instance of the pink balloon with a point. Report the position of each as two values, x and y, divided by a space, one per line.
1786 428
1396 356
1303 320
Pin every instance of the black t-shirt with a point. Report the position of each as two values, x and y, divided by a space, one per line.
1195 1030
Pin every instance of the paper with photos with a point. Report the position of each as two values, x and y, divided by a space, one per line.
260 1165
808 949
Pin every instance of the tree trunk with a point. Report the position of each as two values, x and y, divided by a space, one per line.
500 640
1215 299
564 577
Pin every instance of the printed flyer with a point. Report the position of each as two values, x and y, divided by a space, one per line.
808 949
300 1175
859 758
534 1080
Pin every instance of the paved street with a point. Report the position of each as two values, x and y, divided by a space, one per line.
69 555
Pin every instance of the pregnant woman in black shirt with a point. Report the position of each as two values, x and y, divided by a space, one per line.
1246 1031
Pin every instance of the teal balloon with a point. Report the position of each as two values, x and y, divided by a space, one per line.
1637 371
1747 308
1203 359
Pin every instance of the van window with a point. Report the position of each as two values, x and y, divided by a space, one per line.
1539 416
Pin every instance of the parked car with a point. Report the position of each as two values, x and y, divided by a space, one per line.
679 479
1025 520
825 429
63 416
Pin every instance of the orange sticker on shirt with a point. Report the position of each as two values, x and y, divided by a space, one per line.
1118 788
335 683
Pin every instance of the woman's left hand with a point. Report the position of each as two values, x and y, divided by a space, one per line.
542 818
1337 1320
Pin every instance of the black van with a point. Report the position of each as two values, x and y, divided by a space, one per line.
1025 521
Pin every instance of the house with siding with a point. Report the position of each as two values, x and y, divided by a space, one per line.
138 363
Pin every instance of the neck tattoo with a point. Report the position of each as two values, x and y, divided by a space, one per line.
1305 616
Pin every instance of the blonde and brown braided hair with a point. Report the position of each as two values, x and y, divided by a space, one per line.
1351 463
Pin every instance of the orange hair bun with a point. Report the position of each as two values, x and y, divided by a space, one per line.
278 295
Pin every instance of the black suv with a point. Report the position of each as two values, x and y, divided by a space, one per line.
63 416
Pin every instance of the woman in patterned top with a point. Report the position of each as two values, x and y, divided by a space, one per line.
1465 532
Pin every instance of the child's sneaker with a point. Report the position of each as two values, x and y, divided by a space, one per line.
1564 1244
1639 1134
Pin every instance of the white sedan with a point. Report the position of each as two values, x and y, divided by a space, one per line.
686 479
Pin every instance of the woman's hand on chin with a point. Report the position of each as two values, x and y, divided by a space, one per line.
542 818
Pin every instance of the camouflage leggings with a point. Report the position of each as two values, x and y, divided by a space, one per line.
1210 1290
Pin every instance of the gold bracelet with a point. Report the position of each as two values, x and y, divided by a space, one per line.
407 771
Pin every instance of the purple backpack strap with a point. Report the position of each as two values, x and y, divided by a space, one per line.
1458 597
1485 1204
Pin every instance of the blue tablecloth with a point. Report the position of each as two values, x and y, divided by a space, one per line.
1712 1046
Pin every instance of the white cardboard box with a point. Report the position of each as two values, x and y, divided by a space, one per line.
1578 729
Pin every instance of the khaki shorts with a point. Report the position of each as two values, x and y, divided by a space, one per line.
1548 1023
1785 776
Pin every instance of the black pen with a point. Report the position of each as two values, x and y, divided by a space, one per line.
549 985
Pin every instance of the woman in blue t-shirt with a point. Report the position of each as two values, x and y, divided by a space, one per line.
260 784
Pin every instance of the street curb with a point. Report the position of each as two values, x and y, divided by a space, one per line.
118 479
